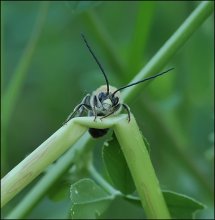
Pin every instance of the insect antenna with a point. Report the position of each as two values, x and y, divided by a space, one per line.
99 64
151 77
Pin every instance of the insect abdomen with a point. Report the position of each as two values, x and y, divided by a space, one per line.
96 133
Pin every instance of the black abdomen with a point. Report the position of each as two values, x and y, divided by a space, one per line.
96 133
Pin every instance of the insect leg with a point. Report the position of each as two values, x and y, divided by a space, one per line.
86 100
94 107
128 111
114 110
77 108
84 103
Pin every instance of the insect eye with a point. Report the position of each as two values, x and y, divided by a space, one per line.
115 101
101 96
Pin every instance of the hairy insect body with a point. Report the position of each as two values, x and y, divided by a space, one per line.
104 105
100 103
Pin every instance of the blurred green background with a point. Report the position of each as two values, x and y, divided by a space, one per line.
174 112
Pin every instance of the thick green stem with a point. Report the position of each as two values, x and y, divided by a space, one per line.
57 170
141 168
138 160
131 142
20 176
39 159
172 46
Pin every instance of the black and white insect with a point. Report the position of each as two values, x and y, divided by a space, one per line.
104 101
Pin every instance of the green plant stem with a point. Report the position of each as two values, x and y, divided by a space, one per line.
97 176
72 156
137 157
169 49
141 168
39 190
39 159
47 152
190 25
53 147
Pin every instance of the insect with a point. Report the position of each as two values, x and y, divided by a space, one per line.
104 101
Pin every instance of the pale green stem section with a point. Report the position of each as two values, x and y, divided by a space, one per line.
47 152
39 159
141 168
138 161
132 145
98 123
172 46
59 168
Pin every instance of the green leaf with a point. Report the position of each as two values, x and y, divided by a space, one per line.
180 206
88 199
60 189
117 167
